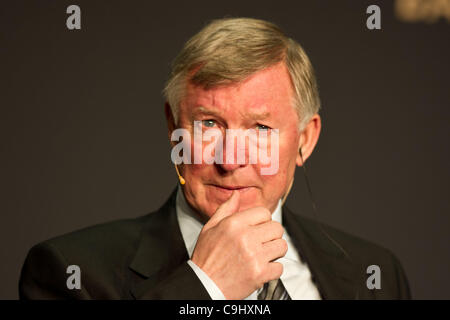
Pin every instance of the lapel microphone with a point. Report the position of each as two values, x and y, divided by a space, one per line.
180 177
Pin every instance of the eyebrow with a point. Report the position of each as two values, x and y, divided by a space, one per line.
252 116
206 111
258 116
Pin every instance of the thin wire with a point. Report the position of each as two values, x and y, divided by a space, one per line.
315 211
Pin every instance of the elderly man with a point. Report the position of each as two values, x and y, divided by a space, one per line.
224 233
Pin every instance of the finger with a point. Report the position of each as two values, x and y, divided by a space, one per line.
255 216
225 209
268 231
274 271
274 249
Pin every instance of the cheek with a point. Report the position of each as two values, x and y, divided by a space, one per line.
195 172
197 166
286 146
287 163
288 156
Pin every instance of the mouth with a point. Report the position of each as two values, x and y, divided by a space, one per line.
231 188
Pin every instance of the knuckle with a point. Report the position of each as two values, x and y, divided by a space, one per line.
260 283
255 272
243 241
248 248
266 214
278 228
284 246
231 224
279 270
250 255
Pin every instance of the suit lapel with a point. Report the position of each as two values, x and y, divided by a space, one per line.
161 248
335 274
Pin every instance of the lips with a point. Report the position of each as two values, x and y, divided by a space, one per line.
230 188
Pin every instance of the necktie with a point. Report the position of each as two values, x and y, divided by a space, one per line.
273 290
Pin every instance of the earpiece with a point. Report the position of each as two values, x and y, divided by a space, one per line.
180 177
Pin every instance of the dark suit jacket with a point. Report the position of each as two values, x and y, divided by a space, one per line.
145 258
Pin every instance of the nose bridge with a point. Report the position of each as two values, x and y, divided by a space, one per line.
235 150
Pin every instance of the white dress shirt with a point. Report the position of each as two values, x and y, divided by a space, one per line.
296 276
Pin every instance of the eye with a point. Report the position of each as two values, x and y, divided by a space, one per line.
209 123
262 127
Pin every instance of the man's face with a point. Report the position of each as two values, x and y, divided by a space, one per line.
263 100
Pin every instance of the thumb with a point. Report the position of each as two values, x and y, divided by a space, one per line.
225 209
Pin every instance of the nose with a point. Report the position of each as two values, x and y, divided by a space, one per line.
230 167
234 154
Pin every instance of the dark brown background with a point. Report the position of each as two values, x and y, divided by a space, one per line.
83 135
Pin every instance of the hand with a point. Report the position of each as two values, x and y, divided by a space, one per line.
236 249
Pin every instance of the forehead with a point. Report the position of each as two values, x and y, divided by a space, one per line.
267 92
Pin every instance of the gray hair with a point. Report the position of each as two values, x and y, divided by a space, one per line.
229 50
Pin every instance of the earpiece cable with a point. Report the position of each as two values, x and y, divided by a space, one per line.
315 211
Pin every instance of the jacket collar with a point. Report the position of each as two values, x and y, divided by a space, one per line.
161 248
335 273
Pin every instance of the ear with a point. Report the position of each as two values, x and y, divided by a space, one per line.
308 139
170 121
